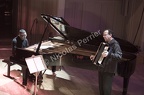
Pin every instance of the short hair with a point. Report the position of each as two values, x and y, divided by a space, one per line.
110 32
22 31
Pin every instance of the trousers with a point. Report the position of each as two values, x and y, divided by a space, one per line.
105 82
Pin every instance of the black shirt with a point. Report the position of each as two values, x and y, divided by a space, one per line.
18 43
114 56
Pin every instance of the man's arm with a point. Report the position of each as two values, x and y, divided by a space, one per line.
117 55
14 46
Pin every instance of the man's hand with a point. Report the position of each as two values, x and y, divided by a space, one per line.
105 53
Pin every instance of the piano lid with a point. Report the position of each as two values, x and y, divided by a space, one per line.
65 30
83 37
57 23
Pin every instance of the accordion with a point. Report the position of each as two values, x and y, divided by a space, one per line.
98 59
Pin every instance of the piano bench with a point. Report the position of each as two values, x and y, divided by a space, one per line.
9 63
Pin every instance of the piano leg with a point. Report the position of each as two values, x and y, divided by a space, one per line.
125 85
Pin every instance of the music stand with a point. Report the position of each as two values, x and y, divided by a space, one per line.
35 65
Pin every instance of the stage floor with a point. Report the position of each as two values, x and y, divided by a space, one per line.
68 81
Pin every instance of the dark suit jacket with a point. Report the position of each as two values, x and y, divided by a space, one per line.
114 56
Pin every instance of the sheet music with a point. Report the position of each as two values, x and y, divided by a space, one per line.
31 65
46 47
35 64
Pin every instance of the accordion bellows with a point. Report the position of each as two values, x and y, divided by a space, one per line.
98 59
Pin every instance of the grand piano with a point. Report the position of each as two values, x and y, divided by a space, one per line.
73 47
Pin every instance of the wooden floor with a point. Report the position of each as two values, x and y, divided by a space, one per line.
68 81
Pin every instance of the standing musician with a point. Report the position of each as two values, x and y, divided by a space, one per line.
109 69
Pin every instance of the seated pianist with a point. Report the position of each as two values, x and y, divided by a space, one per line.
21 41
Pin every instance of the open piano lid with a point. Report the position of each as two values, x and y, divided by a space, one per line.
74 34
